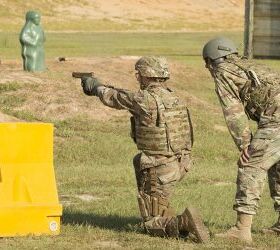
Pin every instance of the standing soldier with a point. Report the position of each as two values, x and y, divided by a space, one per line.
161 129
248 91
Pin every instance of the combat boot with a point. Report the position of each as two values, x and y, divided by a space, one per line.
275 229
190 221
242 229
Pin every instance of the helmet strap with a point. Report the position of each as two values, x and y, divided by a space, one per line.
144 82
147 81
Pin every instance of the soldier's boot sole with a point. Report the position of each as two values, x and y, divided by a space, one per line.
235 233
196 225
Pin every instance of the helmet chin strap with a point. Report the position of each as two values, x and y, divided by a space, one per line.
144 82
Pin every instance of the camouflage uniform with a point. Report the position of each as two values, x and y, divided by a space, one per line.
250 91
162 131
164 159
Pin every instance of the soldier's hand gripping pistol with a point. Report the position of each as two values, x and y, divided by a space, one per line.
89 82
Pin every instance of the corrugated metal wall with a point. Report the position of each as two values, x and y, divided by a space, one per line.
263 21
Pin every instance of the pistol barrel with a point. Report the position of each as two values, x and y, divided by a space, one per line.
82 74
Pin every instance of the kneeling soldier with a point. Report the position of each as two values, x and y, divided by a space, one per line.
161 129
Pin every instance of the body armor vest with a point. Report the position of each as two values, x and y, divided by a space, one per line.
172 131
262 86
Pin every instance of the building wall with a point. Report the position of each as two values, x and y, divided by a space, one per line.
262 32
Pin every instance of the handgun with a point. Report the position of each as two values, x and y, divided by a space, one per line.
82 74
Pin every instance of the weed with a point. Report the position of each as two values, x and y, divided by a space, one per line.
10 86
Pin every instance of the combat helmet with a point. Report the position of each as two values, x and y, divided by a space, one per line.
152 66
218 47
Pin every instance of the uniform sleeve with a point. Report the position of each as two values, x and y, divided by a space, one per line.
117 98
233 109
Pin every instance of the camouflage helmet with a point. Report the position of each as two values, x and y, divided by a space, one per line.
218 47
151 66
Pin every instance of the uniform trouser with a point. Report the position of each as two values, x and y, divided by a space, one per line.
264 161
155 186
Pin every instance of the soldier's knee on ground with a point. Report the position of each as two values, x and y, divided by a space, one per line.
159 218
151 206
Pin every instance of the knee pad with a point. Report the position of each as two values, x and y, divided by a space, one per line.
151 206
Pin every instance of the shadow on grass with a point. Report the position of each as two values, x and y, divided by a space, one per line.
112 222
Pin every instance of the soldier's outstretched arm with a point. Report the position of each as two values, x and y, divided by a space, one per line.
235 116
110 96
117 98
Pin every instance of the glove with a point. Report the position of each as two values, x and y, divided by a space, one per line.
90 85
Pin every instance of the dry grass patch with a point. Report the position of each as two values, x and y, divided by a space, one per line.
56 95
125 15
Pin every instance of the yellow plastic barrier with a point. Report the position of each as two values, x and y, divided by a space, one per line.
28 195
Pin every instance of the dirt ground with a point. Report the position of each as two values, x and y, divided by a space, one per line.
229 13
55 95
126 9
213 14
7 118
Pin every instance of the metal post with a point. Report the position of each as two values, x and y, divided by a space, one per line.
249 28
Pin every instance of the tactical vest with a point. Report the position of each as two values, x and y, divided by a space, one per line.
262 86
172 132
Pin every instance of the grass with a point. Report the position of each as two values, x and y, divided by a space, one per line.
178 45
10 86
8 100
86 24
95 158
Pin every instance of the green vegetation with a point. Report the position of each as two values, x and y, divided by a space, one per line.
10 101
91 44
95 158
11 86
